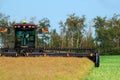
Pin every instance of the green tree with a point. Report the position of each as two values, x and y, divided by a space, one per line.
72 29
63 34
4 24
108 32
44 40
88 40
55 40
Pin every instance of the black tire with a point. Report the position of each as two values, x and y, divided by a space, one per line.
97 60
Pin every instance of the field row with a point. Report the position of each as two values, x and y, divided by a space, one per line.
44 68
108 70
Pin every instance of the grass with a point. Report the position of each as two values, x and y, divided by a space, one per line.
108 70
44 68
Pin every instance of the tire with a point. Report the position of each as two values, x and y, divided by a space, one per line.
97 60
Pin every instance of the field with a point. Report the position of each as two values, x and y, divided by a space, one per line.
108 70
59 68
44 68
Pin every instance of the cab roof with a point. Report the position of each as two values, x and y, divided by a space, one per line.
24 25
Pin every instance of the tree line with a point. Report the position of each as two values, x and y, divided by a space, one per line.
74 33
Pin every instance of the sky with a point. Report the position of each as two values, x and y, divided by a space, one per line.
58 10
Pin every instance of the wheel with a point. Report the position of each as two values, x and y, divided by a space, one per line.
97 60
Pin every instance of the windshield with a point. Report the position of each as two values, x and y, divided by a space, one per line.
25 38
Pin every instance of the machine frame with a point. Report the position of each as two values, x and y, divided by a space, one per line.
26 50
